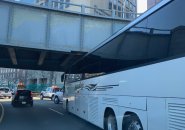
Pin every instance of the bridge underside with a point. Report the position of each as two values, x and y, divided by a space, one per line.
41 38
34 59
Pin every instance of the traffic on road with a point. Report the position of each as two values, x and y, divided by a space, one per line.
44 115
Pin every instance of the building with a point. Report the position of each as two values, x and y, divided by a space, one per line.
34 80
151 3
95 7
39 80
10 77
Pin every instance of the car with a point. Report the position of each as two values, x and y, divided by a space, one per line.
58 97
22 97
49 92
5 92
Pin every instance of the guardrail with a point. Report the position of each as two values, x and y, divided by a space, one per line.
83 9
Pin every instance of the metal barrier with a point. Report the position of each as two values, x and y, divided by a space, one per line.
39 27
92 10
28 32
88 10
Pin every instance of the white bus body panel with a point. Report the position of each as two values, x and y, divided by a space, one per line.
165 79
175 114
140 90
156 110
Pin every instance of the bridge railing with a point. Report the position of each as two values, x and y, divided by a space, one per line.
48 28
83 9
95 11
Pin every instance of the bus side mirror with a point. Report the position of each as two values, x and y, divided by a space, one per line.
62 77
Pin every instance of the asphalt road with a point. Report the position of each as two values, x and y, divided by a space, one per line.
44 115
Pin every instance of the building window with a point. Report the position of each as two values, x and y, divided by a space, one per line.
119 11
43 81
110 5
67 5
115 7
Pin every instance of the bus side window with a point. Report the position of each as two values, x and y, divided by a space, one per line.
169 31
177 45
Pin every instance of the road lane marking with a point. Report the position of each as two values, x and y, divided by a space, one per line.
56 111
2 113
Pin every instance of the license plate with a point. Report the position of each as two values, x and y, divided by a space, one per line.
21 97
23 102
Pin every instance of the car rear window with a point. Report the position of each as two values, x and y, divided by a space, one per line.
24 92
4 89
56 90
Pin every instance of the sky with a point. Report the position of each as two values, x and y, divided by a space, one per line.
141 6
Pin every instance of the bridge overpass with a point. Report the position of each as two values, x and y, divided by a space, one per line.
45 38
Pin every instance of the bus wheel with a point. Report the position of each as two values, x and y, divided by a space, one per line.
110 122
131 122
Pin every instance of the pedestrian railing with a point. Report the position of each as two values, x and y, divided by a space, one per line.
83 9
95 11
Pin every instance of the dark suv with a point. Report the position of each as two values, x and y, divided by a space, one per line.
22 97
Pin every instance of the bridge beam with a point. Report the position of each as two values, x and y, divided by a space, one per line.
42 58
39 37
12 56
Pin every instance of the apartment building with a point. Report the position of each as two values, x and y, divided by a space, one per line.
10 77
101 7
151 3
34 80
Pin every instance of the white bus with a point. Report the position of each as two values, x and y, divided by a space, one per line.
135 80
